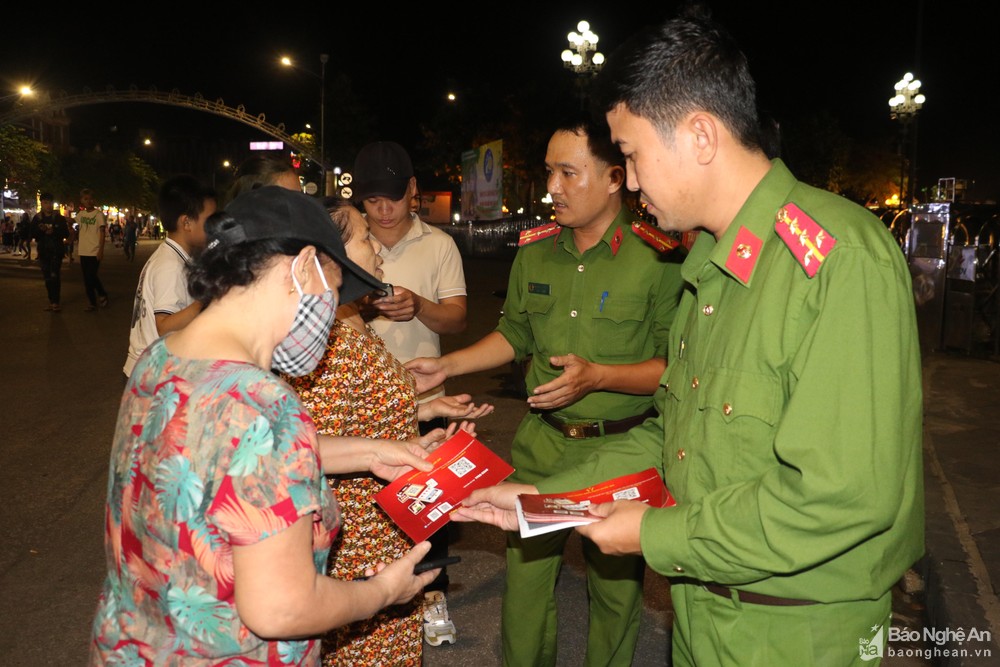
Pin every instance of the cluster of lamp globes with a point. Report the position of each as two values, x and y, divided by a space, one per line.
582 55
908 98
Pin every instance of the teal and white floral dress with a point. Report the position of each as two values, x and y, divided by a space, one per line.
207 455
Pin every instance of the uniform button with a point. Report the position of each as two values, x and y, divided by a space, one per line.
580 268
681 454
572 313
708 310
727 409
678 568
694 382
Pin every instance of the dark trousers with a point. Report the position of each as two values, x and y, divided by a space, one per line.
439 540
51 271
91 283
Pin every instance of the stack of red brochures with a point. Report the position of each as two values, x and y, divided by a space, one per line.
421 502
547 512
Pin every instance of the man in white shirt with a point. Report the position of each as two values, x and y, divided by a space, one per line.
91 236
421 262
162 302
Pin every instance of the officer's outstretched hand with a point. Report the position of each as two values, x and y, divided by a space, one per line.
617 534
402 306
428 372
579 378
493 505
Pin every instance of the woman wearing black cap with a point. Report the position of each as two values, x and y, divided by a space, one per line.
218 521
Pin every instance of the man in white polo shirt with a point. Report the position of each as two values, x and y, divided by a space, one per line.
162 302
424 267
421 262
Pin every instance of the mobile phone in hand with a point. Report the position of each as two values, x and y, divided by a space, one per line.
425 565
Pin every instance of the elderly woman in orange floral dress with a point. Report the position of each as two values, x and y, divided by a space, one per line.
359 389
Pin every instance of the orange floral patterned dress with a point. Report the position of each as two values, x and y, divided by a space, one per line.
360 389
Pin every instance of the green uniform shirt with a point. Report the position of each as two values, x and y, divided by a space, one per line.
790 428
612 304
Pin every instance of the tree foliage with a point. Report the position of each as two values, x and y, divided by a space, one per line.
116 177
22 160
820 153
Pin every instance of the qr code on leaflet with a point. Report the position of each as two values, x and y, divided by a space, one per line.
630 493
462 467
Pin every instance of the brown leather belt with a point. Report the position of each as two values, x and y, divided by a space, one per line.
755 598
594 428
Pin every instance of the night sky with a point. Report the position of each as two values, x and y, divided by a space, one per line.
842 58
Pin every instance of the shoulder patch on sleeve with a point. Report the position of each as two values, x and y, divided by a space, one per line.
538 233
654 236
808 241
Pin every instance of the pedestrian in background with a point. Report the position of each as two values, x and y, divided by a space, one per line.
790 416
91 234
7 234
22 233
130 237
50 231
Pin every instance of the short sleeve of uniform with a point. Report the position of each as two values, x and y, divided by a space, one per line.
273 478
514 324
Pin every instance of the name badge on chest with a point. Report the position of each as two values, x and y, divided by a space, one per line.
538 288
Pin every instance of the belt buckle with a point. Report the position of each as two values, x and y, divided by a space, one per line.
579 430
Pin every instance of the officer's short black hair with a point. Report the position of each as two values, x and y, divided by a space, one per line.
598 138
181 195
690 63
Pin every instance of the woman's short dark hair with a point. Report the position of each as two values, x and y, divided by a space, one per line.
223 266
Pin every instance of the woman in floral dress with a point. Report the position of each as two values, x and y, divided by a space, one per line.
219 522
359 389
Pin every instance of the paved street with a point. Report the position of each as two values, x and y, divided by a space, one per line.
59 394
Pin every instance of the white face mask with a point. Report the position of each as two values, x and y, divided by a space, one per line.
302 349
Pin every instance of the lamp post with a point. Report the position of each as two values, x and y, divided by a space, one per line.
324 58
903 106
582 56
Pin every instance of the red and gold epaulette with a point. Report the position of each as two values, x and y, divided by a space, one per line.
654 236
538 233
809 242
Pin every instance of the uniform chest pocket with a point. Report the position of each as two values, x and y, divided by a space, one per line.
620 327
736 394
537 305
740 413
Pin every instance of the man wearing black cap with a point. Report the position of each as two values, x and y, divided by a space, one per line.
420 262
428 298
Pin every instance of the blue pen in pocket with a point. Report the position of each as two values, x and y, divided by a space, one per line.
603 297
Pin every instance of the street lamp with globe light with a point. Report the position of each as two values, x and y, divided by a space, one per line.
582 57
904 106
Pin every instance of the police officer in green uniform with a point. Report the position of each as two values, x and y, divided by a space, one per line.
790 415
590 301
